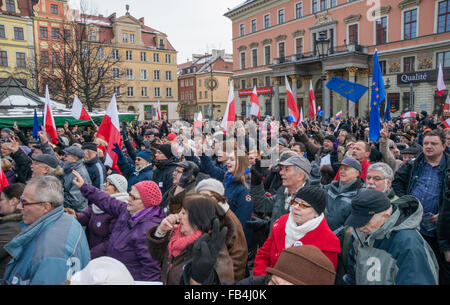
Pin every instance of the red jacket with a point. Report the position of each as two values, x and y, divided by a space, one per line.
364 167
322 237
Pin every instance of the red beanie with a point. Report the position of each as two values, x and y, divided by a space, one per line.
150 193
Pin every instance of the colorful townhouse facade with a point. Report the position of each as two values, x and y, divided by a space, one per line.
273 39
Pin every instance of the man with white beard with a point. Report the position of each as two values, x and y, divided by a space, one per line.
379 177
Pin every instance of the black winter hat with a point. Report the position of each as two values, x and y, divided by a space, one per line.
330 138
313 195
89 145
166 149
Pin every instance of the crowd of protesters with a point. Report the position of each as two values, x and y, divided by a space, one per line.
263 202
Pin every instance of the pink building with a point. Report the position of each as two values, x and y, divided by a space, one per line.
272 39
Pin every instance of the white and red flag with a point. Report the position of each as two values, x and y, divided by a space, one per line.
109 131
254 110
49 122
199 120
294 115
230 112
158 111
312 101
447 104
78 111
410 114
301 114
440 82
447 123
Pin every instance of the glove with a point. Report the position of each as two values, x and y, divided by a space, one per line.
335 145
117 149
256 173
257 223
206 250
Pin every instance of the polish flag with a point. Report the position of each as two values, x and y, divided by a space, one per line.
230 112
338 115
255 104
301 114
410 114
49 122
440 81
312 101
291 104
447 123
198 121
158 111
447 104
109 131
3 180
78 111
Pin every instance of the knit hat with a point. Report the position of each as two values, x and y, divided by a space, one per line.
315 196
171 136
330 138
119 182
145 154
103 270
304 265
150 193
210 184
166 149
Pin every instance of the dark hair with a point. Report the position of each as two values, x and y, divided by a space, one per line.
436 133
302 146
13 191
201 211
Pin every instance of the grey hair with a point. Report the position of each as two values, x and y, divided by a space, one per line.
48 189
299 170
387 171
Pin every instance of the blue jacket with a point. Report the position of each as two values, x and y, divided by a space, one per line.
129 171
47 252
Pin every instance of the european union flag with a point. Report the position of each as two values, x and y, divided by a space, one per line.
36 127
378 95
320 113
349 90
387 112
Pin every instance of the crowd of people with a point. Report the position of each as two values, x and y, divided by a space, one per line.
316 202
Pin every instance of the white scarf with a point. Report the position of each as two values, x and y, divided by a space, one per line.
295 232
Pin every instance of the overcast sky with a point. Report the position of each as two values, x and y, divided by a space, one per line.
192 26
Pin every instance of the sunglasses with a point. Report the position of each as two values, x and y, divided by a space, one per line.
300 204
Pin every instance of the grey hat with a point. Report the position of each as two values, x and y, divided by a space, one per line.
75 151
48 159
300 162
119 182
352 162
210 184
283 141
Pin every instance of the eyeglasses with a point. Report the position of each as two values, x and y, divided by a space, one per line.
376 179
301 205
24 203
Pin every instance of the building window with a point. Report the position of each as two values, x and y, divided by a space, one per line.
143 56
131 38
299 45
67 35
242 60
157 92
314 6
443 58
2 31
100 53
169 92
156 57
116 90
18 33
268 107
409 64
67 59
55 59
281 16
383 67
268 81
129 55
92 35
353 34
156 75
253 25
3 59
243 84
299 10
242 29
116 73
54 9
444 17
45 60
254 58
381 30
199 94
266 21
206 94
10 6
43 32
323 5
267 55
333 3
281 51
144 92
125 37
115 54
101 91
168 58
55 33
161 43
199 82
130 73
143 74
410 24
168 75
130 91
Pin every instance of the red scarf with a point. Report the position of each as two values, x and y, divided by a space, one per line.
178 241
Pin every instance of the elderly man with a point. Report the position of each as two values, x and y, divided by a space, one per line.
95 168
46 164
387 248
427 177
52 245
73 160
379 177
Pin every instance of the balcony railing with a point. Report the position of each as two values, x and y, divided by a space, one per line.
314 55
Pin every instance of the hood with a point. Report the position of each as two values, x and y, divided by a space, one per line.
14 216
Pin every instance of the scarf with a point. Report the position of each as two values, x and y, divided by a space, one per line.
295 232
229 176
96 210
178 241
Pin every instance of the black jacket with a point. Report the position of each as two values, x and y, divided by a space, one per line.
9 227
163 174
97 172
23 166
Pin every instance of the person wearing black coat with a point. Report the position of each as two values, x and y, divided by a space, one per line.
95 168
164 162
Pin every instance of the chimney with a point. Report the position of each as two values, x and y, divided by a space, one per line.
141 20
112 17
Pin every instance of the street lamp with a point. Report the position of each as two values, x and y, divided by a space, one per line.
322 48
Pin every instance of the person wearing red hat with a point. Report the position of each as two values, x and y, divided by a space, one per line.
127 242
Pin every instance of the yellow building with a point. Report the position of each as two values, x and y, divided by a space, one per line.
16 41
147 64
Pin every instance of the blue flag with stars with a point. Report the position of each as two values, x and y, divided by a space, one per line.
378 95
36 127
387 113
